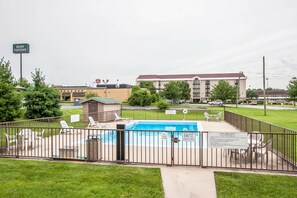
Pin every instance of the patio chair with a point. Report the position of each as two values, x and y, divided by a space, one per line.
238 153
207 117
263 150
65 127
27 138
118 118
257 138
96 124
39 135
219 116
9 139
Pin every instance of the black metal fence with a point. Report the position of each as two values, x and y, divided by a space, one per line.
190 148
286 142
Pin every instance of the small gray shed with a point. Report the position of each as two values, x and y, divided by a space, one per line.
101 109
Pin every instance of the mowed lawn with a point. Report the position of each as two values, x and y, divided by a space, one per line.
255 185
284 118
24 178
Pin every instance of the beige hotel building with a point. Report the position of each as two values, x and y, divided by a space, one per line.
200 84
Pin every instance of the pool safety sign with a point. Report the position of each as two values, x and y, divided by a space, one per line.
189 137
164 136
170 112
74 118
227 140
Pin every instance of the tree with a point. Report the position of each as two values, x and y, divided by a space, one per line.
148 85
251 93
140 97
10 100
292 90
40 99
23 83
223 90
163 105
185 91
90 95
172 91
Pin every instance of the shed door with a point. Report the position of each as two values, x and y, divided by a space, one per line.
93 110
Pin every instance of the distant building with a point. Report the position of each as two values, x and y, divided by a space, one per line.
201 84
273 96
69 93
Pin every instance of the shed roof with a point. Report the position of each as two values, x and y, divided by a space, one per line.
101 100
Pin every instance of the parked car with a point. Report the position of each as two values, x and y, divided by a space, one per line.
253 102
216 103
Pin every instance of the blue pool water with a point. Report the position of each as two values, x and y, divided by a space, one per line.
147 133
163 126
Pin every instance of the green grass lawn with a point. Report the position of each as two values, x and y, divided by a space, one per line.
24 178
160 115
284 118
255 185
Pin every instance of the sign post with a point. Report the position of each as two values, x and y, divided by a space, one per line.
20 49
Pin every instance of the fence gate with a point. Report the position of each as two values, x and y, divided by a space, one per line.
185 148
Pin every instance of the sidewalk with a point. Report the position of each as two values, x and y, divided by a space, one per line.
188 182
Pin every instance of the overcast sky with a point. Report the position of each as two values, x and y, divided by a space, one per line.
75 41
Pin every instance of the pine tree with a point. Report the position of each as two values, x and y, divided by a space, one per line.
10 99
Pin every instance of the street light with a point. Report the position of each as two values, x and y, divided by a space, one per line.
105 82
118 83
267 83
237 90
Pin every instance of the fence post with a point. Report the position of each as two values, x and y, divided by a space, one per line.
52 143
120 146
172 148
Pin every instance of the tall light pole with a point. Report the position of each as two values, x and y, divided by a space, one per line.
264 93
267 83
118 83
105 81
237 90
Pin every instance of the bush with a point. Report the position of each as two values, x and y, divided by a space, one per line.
140 97
163 105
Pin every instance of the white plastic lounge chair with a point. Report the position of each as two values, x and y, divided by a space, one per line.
28 138
263 150
39 135
117 117
257 138
9 139
219 116
65 127
96 124
207 117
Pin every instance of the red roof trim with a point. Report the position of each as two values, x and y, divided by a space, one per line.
221 75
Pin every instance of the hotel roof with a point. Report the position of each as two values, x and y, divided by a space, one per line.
183 76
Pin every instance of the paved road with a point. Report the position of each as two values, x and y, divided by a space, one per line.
262 107
191 106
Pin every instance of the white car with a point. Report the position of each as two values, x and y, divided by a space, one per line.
216 103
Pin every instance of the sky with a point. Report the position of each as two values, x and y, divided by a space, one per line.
74 42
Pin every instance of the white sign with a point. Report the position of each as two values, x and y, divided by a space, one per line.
189 137
227 140
171 111
164 136
74 118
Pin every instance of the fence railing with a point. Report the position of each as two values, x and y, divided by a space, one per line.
286 144
148 147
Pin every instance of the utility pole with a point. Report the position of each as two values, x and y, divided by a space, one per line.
264 92
237 90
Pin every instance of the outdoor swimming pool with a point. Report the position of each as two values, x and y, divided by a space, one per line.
154 133
163 126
